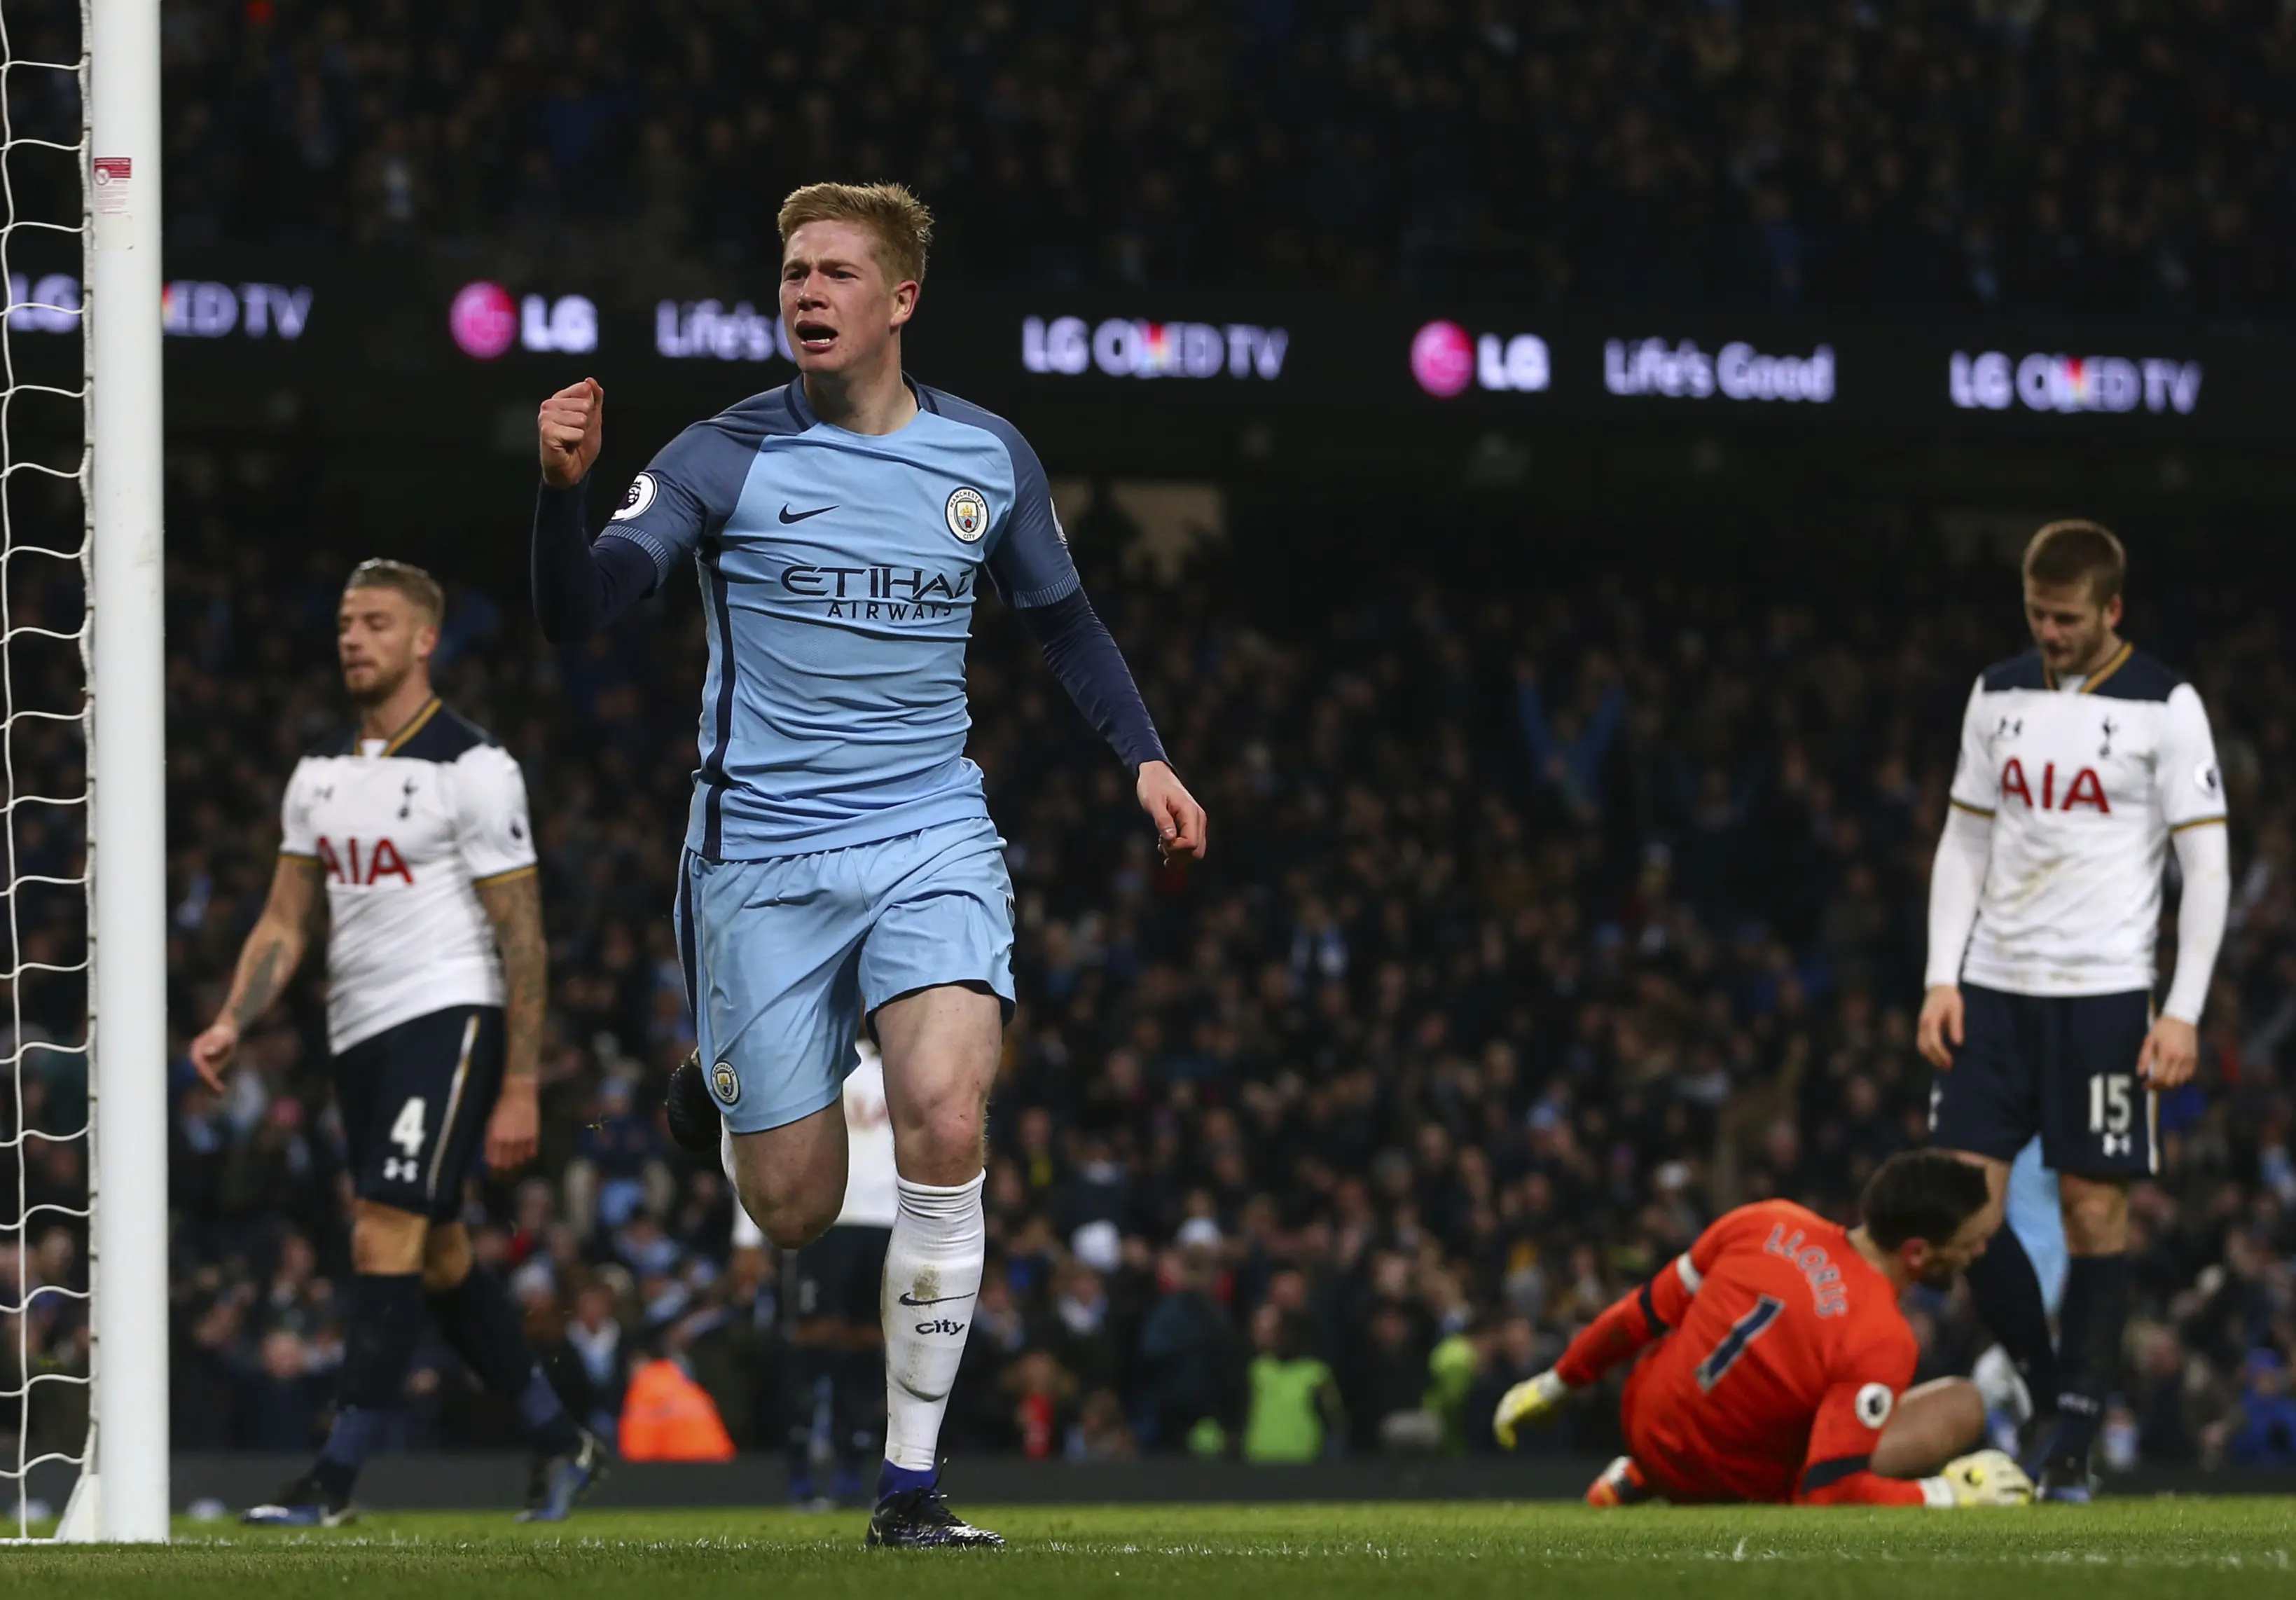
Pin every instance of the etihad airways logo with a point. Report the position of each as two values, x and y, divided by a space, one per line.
882 593
1990 382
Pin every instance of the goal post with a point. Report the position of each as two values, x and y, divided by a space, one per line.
127 826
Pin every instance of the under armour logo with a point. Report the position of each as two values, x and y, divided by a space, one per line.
400 1170
2120 1143
406 801
2111 728
325 794
2011 727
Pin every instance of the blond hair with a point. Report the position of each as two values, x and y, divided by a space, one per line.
407 578
900 219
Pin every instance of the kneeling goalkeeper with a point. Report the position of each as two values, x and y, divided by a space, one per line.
1778 1359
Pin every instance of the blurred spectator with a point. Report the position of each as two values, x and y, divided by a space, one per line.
667 1416
1186 1359
2133 157
1433 1056
1295 1402
279 1397
2264 1434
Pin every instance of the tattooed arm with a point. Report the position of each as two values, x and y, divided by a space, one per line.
513 903
268 959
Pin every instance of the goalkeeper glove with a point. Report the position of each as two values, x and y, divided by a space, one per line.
1532 1400
1988 1478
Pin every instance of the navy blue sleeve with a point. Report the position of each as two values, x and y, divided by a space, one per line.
1030 565
686 494
1082 655
1030 559
580 588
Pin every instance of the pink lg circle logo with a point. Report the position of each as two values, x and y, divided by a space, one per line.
485 320
1443 359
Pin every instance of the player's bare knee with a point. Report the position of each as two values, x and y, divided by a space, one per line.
386 1241
791 1219
2096 1214
793 1228
445 1257
946 1147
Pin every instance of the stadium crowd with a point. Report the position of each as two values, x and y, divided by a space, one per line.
1545 919
2135 157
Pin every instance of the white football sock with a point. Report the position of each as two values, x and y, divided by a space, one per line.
932 1275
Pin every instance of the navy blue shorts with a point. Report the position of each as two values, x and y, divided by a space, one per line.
415 1099
2063 1068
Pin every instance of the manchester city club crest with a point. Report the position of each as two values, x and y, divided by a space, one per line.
968 514
724 1082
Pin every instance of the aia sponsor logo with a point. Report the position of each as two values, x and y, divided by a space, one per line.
363 866
2084 789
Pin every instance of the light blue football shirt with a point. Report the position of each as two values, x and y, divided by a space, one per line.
839 573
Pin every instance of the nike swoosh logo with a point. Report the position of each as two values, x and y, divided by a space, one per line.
798 516
908 1300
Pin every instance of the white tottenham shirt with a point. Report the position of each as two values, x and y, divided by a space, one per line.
403 833
2085 780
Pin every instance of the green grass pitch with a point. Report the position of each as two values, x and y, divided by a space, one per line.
2155 1550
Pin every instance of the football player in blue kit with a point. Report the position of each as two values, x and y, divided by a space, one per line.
839 863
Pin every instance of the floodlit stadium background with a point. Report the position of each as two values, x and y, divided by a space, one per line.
1554 468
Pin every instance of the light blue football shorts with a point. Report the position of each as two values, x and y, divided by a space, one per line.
782 956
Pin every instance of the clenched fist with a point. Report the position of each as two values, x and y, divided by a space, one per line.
572 424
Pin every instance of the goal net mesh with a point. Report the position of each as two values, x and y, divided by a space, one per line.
46 1204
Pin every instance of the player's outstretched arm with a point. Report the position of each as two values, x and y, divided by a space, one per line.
1033 570
578 587
1631 1323
1083 655
514 905
266 961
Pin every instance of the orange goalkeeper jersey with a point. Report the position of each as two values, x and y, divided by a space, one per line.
1779 1354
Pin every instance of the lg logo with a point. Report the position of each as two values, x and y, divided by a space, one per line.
486 322
1447 362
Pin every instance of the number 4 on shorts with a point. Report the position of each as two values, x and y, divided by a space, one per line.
406 1133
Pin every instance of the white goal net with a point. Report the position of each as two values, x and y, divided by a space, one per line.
83 990
46 558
